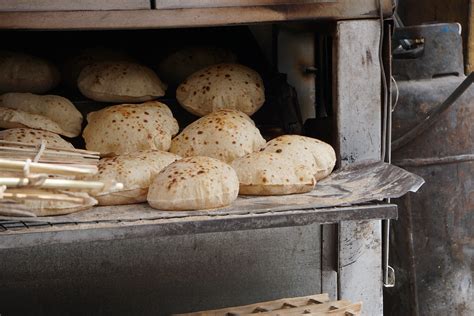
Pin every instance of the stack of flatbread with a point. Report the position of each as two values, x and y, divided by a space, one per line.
286 165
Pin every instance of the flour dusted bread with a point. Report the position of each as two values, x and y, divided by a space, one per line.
265 173
222 86
224 135
316 155
194 183
73 66
35 137
120 81
46 112
53 208
128 128
176 67
135 171
25 73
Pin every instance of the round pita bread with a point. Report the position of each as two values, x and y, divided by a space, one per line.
265 173
128 128
24 73
73 66
222 86
194 183
135 171
175 68
34 136
46 112
53 208
224 135
120 82
316 155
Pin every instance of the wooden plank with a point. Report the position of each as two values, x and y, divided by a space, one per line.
358 109
76 5
177 4
269 305
145 19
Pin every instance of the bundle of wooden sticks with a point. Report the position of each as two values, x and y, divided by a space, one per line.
46 175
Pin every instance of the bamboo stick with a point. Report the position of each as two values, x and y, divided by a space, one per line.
20 196
36 167
53 184
95 153
49 151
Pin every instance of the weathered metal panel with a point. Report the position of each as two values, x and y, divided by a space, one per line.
144 274
358 90
433 242
359 115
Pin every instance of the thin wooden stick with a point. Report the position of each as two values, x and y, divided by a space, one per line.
36 167
53 184
17 196
49 151
51 148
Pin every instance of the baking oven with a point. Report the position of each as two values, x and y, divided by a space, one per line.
325 66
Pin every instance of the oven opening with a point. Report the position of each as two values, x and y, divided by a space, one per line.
293 59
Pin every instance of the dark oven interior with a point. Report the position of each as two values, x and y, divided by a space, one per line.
263 48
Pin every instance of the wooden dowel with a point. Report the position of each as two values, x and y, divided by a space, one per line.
54 184
36 167
42 196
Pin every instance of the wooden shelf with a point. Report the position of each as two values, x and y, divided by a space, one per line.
191 17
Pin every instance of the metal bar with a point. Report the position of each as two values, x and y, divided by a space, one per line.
418 162
190 225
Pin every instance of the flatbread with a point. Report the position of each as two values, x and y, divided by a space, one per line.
222 86
224 135
128 128
313 153
52 208
25 73
35 137
194 183
73 66
176 67
120 82
265 173
46 112
135 171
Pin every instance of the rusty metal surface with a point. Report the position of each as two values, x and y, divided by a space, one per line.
423 60
433 243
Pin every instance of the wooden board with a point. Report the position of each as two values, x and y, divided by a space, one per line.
316 305
143 19
75 5
176 4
